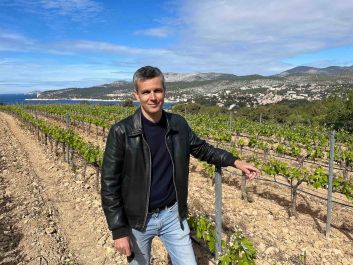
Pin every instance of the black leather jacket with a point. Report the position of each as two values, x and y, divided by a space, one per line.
126 169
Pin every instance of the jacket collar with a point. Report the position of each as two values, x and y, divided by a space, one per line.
137 123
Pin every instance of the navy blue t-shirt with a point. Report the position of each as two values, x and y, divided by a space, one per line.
162 190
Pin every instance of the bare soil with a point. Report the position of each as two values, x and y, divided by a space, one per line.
278 238
49 213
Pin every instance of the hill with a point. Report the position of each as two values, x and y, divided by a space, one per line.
229 90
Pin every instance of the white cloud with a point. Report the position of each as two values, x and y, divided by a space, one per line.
109 48
11 41
250 33
21 75
76 10
155 32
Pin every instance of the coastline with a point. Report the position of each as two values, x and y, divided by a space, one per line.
72 99
88 99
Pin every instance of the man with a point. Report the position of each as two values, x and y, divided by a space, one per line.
145 174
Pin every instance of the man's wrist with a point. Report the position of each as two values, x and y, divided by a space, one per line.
236 163
120 232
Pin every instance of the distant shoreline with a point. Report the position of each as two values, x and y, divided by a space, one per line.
88 99
73 99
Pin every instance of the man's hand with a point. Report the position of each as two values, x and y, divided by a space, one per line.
123 245
249 171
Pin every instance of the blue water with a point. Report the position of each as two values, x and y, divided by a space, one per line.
15 98
11 99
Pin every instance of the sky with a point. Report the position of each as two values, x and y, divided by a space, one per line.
54 44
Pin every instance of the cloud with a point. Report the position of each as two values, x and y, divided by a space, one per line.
259 32
76 10
12 41
33 75
154 32
109 48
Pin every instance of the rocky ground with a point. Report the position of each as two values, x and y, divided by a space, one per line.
278 238
50 214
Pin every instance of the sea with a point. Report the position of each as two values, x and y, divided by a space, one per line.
11 99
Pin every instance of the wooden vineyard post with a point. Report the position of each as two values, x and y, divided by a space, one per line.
266 152
84 171
51 144
64 148
68 126
56 148
330 178
37 128
218 212
72 160
243 188
97 133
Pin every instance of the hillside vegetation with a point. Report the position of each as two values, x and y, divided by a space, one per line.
335 112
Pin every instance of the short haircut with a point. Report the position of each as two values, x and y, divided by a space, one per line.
147 72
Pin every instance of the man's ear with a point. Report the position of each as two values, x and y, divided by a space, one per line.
136 95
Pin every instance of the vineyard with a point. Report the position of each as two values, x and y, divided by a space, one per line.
278 219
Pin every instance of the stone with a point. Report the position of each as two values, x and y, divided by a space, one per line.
110 250
270 217
337 252
97 203
102 240
346 261
50 230
271 250
261 247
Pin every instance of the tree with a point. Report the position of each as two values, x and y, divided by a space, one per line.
127 103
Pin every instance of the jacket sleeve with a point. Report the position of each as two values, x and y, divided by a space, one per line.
202 150
111 179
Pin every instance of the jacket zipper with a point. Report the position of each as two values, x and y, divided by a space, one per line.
171 158
149 182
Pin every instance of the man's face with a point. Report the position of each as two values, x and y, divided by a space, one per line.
150 94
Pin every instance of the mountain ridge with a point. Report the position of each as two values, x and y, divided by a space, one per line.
302 82
307 70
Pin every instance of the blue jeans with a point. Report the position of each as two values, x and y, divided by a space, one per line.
166 225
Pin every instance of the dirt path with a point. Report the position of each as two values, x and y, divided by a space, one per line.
53 212
28 223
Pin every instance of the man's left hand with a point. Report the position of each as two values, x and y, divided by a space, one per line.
248 170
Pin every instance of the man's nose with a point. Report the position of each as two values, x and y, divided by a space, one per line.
152 96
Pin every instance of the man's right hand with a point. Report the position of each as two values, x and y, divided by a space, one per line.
123 245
